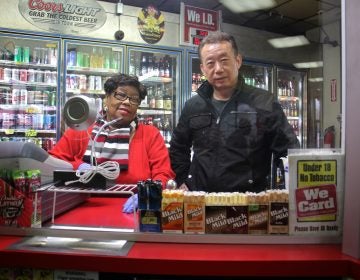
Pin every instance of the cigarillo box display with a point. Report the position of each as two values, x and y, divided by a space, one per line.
20 204
226 213
215 221
279 212
258 213
172 211
194 212
237 219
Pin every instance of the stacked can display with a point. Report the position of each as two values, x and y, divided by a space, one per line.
28 90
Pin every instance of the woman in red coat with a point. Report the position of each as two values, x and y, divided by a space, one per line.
139 149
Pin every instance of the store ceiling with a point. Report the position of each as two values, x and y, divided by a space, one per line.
288 17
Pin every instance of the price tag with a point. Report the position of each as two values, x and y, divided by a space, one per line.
31 133
9 131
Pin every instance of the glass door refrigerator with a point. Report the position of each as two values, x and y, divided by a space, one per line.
254 73
87 66
291 93
29 89
159 71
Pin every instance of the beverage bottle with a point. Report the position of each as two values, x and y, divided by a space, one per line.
155 67
93 58
161 68
143 65
100 62
150 64
132 64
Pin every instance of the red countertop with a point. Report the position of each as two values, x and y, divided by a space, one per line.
182 259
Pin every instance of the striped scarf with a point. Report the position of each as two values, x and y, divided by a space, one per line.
111 144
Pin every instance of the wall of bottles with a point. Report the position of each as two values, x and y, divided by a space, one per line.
157 71
28 90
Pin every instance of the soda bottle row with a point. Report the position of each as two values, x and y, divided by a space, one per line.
15 96
255 81
161 122
97 58
20 119
28 75
84 82
287 87
159 97
290 107
25 55
196 80
47 143
150 65
295 126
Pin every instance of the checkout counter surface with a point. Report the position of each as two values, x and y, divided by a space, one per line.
179 259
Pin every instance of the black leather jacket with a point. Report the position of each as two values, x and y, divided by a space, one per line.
231 150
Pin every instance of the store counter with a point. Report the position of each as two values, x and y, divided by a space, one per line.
181 259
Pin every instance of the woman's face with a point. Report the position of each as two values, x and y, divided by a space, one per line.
122 103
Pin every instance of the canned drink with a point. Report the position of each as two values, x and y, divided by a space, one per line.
38 121
1 73
15 97
18 54
23 96
19 121
27 121
15 74
67 81
47 77
98 83
86 60
91 82
83 83
7 74
52 98
39 76
53 58
72 58
79 59
44 56
30 97
31 75
36 55
45 97
26 55
23 75
53 77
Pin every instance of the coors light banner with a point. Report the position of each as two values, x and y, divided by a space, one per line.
64 16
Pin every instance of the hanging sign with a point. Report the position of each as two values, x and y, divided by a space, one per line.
196 23
151 24
64 16
316 190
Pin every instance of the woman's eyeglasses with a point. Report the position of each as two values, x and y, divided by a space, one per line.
123 96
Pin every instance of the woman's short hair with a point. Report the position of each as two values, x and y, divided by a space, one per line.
117 80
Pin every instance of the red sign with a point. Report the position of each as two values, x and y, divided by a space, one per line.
196 23
315 201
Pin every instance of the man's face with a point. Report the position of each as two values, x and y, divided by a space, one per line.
220 66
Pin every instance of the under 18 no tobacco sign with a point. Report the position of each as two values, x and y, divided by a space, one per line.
316 189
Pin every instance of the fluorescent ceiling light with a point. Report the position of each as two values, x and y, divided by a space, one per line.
289 42
314 80
312 64
242 6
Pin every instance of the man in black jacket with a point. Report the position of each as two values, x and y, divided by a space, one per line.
233 129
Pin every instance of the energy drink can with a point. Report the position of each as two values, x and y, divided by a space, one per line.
15 74
26 55
18 54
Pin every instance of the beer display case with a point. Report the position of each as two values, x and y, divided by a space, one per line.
288 85
88 65
159 71
29 89
291 93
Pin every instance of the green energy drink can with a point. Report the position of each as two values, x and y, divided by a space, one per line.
26 55
18 54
